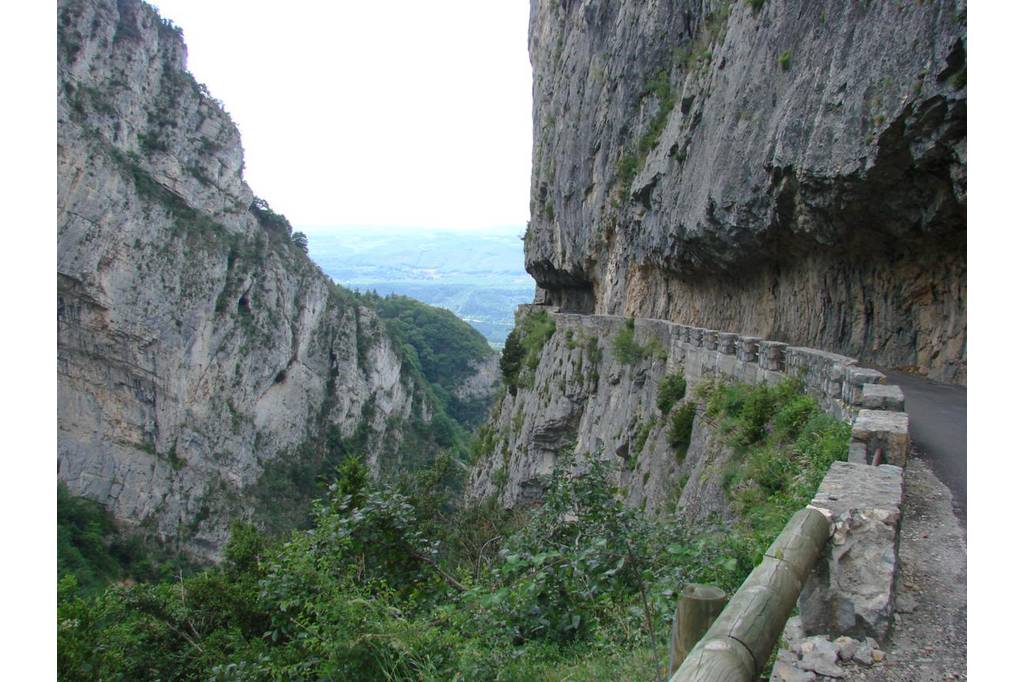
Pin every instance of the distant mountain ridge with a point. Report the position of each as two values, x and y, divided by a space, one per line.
477 275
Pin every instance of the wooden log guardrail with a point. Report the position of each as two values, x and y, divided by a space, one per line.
743 637
698 607
740 641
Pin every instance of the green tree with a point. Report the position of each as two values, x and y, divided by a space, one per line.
511 360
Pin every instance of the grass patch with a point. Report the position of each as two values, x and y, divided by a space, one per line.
643 434
783 446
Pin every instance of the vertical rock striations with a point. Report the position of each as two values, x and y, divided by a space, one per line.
206 368
793 170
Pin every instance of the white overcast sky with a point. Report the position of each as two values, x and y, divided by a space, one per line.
407 113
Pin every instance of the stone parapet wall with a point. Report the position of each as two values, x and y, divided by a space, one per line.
847 391
852 588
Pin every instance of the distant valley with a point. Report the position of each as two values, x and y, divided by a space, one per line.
477 275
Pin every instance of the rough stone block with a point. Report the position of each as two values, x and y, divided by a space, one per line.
727 343
855 380
851 590
772 356
834 389
726 365
710 339
882 397
748 348
858 453
883 429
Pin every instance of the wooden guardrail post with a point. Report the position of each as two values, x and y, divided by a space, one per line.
698 607
742 638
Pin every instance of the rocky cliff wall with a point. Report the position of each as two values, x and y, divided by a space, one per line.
582 398
792 170
204 363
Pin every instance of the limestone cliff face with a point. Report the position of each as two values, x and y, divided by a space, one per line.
795 171
582 400
197 345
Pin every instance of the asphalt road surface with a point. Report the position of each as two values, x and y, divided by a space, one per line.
938 426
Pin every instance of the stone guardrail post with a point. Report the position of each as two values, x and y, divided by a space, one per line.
742 638
727 343
772 356
748 348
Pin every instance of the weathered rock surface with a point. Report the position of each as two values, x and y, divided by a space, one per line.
851 591
818 658
197 345
584 401
796 172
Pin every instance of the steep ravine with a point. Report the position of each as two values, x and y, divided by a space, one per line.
792 170
205 364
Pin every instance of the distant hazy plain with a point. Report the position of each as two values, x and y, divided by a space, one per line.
478 275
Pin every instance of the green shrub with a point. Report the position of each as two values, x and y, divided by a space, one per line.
92 550
511 359
643 434
793 415
757 410
671 390
538 327
681 429
521 355
625 349
783 446
786 60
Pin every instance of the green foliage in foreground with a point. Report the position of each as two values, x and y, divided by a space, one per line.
396 582
626 350
391 584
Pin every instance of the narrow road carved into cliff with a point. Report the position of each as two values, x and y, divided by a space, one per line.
928 642
938 427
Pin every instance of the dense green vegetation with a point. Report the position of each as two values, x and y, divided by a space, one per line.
90 548
396 581
624 346
521 354
444 348
671 390
681 429
783 445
